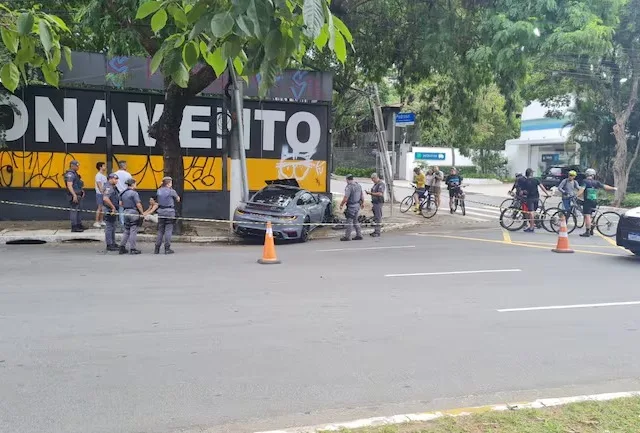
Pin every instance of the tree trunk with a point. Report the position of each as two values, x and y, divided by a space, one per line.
620 173
166 131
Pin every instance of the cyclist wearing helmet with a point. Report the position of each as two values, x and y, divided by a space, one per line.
516 185
421 181
453 182
569 188
589 192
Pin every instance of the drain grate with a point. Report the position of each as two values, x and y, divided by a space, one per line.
26 242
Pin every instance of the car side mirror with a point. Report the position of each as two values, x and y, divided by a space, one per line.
300 202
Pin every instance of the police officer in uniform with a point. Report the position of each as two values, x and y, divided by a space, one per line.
377 200
354 200
166 198
133 217
74 184
110 203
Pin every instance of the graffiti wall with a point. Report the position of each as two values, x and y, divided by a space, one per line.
47 128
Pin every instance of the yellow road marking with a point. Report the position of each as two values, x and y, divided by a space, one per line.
608 239
462 238
553 245
506 236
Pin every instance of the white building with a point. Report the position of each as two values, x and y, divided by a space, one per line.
543 141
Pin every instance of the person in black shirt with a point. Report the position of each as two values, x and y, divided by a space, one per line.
453 182
589 192
530 187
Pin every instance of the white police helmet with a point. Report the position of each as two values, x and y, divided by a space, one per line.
590 172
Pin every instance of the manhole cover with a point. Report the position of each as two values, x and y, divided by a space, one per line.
79 241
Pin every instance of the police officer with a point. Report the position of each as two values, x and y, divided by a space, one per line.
111 201
74 184
166 214
377 200
133 217
354 200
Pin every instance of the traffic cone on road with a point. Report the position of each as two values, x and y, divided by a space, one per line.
563 238
269 252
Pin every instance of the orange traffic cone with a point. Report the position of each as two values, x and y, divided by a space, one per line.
563 238
269 252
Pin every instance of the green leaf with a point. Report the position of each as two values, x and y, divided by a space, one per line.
181 76
217 61
147 9
240 6
51 76
321 41
238 65
67 56
231 48
190 54
56 57
269 71
10 40
245 25
159 20
179 41
260 15
156 61
202 25
10 76
58 21
198 11
221 24
45 36
25 23
313 14
340 48
179 16
330 26
342 28
273 44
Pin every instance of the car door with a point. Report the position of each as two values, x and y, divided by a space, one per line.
308 203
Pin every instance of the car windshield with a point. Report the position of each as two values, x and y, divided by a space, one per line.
555 171
274 197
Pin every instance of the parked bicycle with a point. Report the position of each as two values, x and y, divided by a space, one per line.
458 200
427 207
515 217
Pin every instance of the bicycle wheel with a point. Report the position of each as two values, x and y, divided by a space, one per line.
607 223
579 217
506 204
454 207
512 219
406 204
545 220
556 217
462 206
428 208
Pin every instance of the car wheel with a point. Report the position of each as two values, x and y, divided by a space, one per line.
306 229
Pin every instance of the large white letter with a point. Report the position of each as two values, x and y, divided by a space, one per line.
314 132
269 119
46 113
189 125
137 117
20 119
95 130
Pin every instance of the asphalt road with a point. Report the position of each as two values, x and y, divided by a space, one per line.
210 341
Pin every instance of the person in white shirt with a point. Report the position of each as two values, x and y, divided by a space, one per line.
101 182
123 176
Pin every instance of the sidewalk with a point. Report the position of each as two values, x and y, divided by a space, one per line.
195 232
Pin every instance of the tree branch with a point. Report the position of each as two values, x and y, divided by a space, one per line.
200 80
145 35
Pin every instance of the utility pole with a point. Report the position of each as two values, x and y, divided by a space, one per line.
382 145
239 188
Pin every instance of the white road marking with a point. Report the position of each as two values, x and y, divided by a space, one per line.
567 307
428 274
366 249
484 209
423 417
479 214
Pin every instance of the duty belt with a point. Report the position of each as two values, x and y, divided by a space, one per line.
165 207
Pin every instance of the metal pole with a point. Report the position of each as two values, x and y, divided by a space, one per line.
393 143
109 128
382 143
238 103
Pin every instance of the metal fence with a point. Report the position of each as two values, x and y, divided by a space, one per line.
353 158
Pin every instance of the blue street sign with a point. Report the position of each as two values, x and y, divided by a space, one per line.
430 156
551 157
405 119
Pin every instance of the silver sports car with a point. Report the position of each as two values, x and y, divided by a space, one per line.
293 211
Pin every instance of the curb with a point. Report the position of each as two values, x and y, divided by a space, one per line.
6 236
431 416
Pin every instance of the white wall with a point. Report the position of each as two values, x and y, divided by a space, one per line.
411 163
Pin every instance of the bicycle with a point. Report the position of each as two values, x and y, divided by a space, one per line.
428 207
458 200
605 222
509 202
514 218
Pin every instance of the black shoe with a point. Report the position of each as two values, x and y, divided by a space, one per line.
375 235
357 238
585 235
77 229
113 248
591 231
345 239
123 250
135 252
156 250
169 251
